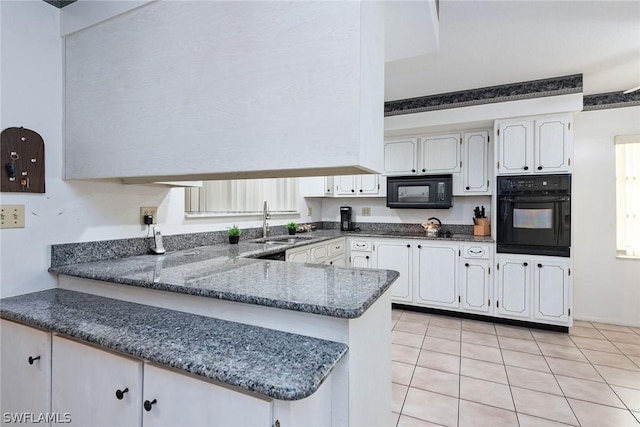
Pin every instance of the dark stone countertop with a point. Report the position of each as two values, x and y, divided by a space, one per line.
276 364
226 272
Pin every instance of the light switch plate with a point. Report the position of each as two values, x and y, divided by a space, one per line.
309 211
12 216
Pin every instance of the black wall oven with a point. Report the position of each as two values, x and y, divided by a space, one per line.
534 215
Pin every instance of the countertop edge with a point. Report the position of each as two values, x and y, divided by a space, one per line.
103 342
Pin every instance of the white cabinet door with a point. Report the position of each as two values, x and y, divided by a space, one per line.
361 259
475 163
25 371
175 399
440 154
86 381
552 145
475 286
345 185
328 186
437 275
514 287
338 261
368 184
401 156
396 255
298 255
318 253
515 147
552 286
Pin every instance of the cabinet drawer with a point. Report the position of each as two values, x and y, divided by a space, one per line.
361 245
476 251
335 247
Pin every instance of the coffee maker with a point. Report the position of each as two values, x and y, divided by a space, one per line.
346 215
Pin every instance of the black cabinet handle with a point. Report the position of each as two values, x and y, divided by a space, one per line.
353 191
413 170
424 170
539 168
525 264
467 188
466 264
361 190
148 405
367 257
120 393
526 168
408 246
33 359
539 265
419 246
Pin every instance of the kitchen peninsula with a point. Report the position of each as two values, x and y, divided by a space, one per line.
328 325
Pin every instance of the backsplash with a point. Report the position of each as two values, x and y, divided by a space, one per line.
76 253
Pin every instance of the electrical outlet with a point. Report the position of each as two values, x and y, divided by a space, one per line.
309 211
12 216
149 210
366 211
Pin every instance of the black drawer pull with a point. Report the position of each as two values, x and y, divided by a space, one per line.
539 265
526 168
120 393
539 168
408 246
466 264
367 257
526 264
419 246
33 359
148 405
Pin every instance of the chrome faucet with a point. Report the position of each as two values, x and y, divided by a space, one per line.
265 217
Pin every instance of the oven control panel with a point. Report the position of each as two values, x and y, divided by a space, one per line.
534 183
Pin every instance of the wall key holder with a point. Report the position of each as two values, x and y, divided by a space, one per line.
22 159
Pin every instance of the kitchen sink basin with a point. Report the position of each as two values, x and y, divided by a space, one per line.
281 240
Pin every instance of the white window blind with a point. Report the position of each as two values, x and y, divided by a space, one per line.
242 196
628 194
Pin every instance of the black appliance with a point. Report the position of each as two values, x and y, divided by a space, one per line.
346 215
534 215
419 192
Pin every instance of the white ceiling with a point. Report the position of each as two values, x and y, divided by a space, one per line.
487 43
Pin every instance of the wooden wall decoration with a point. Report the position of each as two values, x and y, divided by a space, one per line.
22 160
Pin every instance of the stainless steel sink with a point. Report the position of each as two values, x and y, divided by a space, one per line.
281 240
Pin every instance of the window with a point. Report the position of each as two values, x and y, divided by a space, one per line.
242 197
628 195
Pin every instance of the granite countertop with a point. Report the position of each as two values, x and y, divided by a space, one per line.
231 272
276 364
225 272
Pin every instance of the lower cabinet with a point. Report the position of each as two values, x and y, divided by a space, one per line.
475 286
396 255
25 371
95 387
534 288
173 399
328 252
361 253
436 274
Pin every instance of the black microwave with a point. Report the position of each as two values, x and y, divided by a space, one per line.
419 192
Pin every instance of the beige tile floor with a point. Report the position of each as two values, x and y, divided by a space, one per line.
456 372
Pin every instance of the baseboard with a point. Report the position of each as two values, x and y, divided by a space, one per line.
472 316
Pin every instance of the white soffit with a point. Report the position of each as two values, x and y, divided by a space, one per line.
411 29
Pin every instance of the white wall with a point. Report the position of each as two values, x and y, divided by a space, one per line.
606 289
31 87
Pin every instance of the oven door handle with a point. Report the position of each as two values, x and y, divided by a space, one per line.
535 199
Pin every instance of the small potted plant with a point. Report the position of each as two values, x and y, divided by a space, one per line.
292 227
234 234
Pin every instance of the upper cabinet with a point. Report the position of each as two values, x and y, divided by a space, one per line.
464 155
476 152
221 90
359 185
401 156
440 154
535 145
424 155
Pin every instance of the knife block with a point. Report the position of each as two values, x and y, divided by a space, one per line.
482 227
